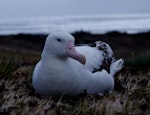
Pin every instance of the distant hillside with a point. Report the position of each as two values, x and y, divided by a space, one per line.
123 45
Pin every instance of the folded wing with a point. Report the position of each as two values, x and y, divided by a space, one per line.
98 55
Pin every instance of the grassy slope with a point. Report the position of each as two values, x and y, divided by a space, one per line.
132 90
131 94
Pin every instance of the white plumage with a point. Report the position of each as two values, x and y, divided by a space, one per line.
65 69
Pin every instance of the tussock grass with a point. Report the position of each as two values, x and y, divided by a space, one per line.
131 95
7 67
138 61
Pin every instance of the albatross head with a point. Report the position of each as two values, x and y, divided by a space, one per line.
61 45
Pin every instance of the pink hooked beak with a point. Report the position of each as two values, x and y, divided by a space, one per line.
71 52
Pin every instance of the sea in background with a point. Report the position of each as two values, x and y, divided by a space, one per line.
129 23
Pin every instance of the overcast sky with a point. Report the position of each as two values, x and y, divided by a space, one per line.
38 8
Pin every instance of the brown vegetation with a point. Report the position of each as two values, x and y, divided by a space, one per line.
20 53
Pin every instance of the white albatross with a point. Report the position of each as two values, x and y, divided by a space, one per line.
70 70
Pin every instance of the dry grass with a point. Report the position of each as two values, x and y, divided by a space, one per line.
131 94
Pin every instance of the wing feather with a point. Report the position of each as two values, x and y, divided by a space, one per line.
98 55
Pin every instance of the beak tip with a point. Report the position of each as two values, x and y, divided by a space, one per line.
83 60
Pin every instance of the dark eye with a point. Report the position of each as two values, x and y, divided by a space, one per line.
59 40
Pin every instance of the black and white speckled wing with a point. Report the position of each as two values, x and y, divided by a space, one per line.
98 55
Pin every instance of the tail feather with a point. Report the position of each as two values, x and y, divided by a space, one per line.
116 66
